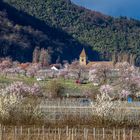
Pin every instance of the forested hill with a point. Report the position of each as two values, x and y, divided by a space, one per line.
20 33
102 33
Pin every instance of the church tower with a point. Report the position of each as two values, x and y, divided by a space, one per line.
83 58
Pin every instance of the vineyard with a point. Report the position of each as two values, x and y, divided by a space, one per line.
81 111
86 107
42 133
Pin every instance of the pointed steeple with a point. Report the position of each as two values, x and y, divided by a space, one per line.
83 58
83 53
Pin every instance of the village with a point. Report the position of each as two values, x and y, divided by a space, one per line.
58 94
79 74
69 70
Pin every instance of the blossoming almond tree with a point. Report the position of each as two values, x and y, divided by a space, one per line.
99 73
32 69
128 79
7 102
14 95
104 100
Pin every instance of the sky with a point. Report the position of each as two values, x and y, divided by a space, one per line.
129 8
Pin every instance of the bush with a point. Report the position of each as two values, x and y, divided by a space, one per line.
55 89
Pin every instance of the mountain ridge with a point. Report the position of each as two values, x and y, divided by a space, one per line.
101 33
57 38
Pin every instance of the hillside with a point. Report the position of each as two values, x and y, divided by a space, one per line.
102 33
20 34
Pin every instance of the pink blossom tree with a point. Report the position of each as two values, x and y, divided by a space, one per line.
77 71
106 89
33 69
99 72
21 89
124 94
62 74
129 78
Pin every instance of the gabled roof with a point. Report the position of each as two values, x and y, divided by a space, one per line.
54 68
83 53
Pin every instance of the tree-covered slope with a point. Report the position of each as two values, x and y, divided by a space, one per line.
103 33
20 33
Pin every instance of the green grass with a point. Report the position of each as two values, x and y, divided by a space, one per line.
74 89
28 80
5 80
70 86
9 80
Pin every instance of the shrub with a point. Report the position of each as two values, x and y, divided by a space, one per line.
55 89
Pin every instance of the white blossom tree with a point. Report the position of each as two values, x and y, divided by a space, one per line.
99 73
14 101
128 79
104 104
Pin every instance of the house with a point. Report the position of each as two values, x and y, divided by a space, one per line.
54 68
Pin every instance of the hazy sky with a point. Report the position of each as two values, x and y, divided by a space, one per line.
129 8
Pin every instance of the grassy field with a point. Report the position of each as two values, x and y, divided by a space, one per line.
70 86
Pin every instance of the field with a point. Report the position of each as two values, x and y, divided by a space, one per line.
70 86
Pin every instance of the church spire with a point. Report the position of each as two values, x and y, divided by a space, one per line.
83 53
83 58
